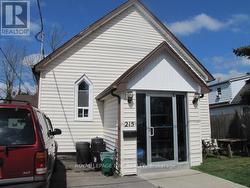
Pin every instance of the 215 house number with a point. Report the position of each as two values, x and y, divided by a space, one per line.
129 124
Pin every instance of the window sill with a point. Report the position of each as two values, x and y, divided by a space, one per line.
84 120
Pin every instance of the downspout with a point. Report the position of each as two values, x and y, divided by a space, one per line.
119 128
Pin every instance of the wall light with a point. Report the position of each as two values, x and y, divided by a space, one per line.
130 96
196 98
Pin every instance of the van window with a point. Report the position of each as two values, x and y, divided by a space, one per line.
49 123
16 127
43 124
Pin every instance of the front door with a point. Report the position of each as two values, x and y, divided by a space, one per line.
161 128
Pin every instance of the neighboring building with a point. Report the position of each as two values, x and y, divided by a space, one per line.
225 96
31 99
128 79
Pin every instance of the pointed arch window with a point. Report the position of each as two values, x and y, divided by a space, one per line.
83 99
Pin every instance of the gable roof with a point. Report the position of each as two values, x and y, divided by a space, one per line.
238 98
219 81
121 83
104 20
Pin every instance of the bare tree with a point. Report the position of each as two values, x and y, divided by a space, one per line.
56 36
29 62
12 67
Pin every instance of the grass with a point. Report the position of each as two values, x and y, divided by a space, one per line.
236 169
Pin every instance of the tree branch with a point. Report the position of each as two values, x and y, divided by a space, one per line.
243 51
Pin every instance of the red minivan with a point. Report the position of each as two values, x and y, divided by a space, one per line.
27 146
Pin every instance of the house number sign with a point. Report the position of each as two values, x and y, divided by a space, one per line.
129 125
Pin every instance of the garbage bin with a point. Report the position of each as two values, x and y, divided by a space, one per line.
97 146
82 153
108 162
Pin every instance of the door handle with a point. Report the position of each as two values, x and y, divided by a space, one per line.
152 131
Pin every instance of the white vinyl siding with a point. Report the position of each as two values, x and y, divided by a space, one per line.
128 145
198 129
110 123
205 117
103 56
229 89
226 93
194 130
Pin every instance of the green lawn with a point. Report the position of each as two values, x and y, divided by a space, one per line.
236 169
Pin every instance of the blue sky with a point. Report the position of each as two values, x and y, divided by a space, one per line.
209 29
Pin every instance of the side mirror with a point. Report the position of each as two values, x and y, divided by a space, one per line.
55 132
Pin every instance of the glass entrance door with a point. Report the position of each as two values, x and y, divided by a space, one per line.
161 129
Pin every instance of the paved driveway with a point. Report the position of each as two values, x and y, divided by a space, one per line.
187 178
69 175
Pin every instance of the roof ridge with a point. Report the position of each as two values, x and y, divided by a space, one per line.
230 78
75 38
91 28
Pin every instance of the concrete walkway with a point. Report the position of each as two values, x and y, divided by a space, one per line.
187 178
69 175
97 180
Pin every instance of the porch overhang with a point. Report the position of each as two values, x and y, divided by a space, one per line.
121 84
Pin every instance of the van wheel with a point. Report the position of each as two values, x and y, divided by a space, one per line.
55 162
55 165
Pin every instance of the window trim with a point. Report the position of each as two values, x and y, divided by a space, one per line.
90 108
218 92
39 113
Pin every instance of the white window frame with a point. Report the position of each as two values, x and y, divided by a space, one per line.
218 94
90 108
